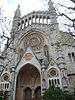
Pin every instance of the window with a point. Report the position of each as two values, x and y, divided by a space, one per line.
33 18
45 20
7 85
58 81
19 26
40 19
26 23
52 72
71 56
53 77
48 20
54 81
22 24
37 19
49 82
29 20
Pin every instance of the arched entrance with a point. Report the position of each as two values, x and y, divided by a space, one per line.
28 86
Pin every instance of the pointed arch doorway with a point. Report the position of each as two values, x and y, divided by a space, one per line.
28 85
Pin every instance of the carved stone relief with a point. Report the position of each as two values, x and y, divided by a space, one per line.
35 40
52 72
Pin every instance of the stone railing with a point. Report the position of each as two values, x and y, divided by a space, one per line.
35 17
4 86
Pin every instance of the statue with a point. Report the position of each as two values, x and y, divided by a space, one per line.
17 12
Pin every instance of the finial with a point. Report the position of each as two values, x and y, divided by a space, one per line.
17 13
50 3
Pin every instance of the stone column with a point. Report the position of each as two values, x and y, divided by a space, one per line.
63 69
43 79
33 93
12 83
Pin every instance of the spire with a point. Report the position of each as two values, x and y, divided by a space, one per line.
17 13
51 7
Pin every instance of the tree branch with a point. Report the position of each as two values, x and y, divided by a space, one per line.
72 8
73 1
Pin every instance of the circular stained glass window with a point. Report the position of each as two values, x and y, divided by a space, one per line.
6 77
35 40
52 72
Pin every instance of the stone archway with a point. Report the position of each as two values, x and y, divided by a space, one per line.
28 80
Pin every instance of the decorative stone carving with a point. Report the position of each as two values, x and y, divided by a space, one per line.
35 40
28 56
5 77
66 38
52 72
52 63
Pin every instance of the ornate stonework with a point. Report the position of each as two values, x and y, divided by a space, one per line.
34 40
5 77
28 56
52 72
38 56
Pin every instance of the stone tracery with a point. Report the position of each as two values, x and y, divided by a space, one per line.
34 40
52 72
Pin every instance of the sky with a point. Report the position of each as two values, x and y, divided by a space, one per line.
26 6
8 7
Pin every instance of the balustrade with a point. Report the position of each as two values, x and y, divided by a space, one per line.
40 19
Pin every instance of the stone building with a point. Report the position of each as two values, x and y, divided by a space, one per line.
37 56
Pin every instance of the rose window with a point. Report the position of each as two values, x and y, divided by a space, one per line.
5 77
35 40
52 72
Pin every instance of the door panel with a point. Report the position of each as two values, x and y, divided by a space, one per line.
37 93
28 94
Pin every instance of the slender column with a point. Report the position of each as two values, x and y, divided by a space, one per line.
25 24
43 80
43 20
39 19
35 19
47 20
33 93
31 20
61 63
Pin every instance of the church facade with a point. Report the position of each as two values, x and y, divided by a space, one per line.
37 56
